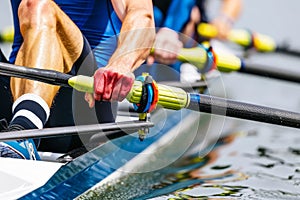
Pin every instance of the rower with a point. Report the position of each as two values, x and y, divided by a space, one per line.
177 27
55 35
170 17
228 13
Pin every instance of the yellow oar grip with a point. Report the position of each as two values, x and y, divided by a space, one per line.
196 56
261 42
264 43
228 62
169 97
7 35
82 83
242 37
207 30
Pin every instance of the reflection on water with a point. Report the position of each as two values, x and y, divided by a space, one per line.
253 165
242 166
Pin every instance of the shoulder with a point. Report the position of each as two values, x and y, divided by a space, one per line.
120 8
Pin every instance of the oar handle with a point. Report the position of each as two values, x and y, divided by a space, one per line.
195 56
169 97
227 62
198 57
176 99
7 35
241 37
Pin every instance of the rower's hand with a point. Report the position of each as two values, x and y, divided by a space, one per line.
166 48
110 85
224 25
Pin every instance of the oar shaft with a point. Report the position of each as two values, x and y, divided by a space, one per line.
172 98
266 71
288 51
231 108
107 130
46 76
176 99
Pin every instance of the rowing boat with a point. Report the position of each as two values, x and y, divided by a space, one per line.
175 135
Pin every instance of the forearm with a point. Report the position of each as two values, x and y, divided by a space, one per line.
135 40
231 9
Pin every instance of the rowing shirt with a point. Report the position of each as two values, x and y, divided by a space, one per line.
201 4
96 19
173 14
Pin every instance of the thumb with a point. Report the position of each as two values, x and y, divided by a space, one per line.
150 60
90 99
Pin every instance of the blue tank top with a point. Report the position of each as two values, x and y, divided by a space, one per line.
173 14
96 19
202 7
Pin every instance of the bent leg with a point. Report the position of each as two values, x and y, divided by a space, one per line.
51 41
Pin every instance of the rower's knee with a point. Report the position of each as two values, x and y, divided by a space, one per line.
35 14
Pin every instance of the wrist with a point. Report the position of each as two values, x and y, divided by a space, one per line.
227 19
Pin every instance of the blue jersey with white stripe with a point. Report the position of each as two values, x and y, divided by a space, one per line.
96 19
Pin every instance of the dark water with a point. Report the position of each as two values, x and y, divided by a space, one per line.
257 164
242 165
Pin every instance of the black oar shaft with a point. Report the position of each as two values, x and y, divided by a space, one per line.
231 108
43 75
288 51
107 130
271 72
2 57
207 104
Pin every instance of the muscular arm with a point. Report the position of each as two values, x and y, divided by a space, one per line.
231 8
136 37
229 13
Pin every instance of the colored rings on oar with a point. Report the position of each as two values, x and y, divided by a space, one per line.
149 96
251 43
211 59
